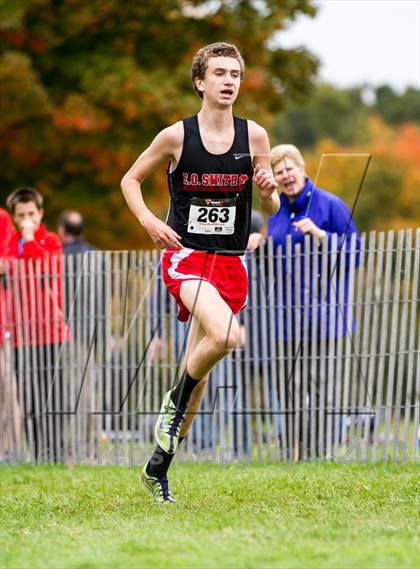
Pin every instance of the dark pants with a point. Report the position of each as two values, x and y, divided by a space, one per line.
41 398
307 400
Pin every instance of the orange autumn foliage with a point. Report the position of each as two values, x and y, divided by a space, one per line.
389 197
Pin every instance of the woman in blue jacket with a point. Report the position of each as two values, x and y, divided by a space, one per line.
307 210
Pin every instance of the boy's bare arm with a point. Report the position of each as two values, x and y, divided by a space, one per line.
165 147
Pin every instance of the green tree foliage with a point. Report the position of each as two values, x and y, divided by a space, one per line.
342 114
339 114
86 85
395 108
337 128
388 197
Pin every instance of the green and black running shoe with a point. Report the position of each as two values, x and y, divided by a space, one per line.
168 426
157 486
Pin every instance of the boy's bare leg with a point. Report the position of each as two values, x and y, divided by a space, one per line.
195 335
215 332
221 329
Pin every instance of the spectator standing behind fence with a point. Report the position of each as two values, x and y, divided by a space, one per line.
6 231
85 315
10 434
38 327
306 210
70 231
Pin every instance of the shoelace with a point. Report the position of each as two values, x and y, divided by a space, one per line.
176 421
164 489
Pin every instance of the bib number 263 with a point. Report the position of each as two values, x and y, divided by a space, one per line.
213 214
210 216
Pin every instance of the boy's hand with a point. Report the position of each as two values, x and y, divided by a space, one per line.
265 181
27 228
254 241
161 234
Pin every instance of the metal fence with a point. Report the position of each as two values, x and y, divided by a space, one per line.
328 369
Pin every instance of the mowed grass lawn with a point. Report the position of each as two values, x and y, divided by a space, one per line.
307 515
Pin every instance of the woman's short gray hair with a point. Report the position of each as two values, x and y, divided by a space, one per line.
278 153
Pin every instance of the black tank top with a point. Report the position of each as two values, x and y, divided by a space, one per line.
211 194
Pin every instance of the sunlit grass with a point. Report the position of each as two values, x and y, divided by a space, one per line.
306 515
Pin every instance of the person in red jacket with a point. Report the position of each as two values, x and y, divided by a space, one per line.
6 232
39 321
38 324
9 407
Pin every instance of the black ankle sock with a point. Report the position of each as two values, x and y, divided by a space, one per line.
160 462
181 393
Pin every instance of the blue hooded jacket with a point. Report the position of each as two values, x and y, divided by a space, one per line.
332 215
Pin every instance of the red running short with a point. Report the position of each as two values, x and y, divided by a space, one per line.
226 273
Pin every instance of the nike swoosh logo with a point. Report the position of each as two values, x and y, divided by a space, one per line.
237 156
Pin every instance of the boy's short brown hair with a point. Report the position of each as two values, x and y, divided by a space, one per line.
218 49
24 195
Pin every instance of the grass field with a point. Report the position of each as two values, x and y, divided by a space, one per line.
309 515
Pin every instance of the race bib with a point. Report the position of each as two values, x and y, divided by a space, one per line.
210 216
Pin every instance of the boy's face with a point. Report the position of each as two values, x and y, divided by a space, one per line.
27 214
221 81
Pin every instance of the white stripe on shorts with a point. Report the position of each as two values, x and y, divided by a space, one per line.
175 261
243 261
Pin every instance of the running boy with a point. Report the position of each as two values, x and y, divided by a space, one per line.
213 158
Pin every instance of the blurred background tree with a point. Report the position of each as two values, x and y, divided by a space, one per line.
342 125
84 87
